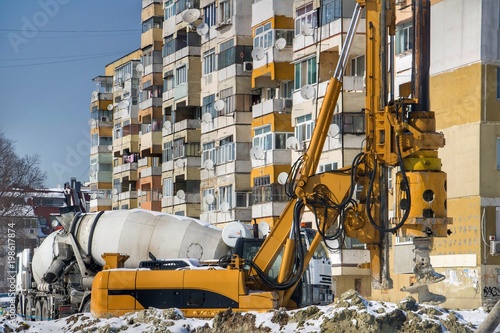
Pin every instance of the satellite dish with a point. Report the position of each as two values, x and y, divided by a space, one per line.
209 198
280 44
306 29
282 177
181 194
115 198
127 76
110 107
167 124
115 191
208 164
234 230
95 94
179 163
123 104
110 148
139 68
257 153
224 207
292 143
263 228
219 105
93 196
92 122
190 15
202 29
333 131
307 91
206 118
258 53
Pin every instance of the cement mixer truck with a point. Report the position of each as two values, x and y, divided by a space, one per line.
56 280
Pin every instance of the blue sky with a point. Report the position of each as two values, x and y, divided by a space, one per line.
50 52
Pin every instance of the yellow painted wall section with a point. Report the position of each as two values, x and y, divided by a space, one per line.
283 22
272 170
466 235
279 122
456 96
109 70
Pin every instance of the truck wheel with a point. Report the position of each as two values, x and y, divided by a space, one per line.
19 307
45 310
38 311
28 310
86 306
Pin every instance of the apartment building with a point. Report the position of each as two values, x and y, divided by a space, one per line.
101 143
126 76
150 106
464 93
226 105
272 79
181 159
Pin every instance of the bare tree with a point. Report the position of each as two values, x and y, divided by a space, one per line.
18 177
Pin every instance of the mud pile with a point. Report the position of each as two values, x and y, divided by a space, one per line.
350 313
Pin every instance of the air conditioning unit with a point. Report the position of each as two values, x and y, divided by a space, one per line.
247 66
495 248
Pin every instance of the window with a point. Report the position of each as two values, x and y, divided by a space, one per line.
352 123
227 96
169 9
226 152
226 195
178 148
155 22
357 66
404 38
181 75
263 36
226 54
208 61
208 105
305 15
304 128
168 81
168 46
305 72
167 152
287 90
225 12
168 187
331 10
210 15
208 207
208 152
263 138
328 167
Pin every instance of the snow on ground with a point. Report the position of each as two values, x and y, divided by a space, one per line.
350 313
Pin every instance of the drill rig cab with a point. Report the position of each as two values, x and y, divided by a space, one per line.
399 134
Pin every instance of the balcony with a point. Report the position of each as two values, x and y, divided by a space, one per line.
150 102
151 143
274 156
101 97
127 195
347 262
101 149
268 209
100 204
270 106
151 171
190 198
151 36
